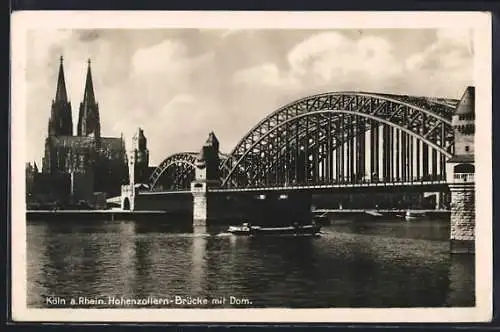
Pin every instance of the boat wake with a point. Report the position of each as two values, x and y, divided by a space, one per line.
224 234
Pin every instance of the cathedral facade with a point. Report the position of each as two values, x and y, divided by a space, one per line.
76 167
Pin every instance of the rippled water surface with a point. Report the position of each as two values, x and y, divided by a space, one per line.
354 264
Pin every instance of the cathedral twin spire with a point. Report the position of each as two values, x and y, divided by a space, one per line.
88 119
61 95
61 123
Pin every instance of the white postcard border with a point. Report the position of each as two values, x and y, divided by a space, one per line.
480 22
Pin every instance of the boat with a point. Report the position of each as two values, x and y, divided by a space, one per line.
414 215
374 213
322 219
295 230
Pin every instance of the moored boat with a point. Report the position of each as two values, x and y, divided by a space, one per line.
294 230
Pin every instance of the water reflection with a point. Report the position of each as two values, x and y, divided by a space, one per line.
198 262
352 265
461 277
36 272
128 259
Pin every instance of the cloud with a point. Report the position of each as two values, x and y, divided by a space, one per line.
267 74
456 37
332 61
447 63
157 96
181 125
43 44
166 64
230 33
180 85
332 55
157 57
452 50
327 58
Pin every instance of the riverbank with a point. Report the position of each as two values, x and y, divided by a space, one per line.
331 216
116 214
33 215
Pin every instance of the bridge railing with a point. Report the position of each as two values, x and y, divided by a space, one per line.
463 177
427 179
348 182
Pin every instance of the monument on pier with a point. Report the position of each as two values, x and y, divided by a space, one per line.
128 190
141 157
460 177
138 166
206 176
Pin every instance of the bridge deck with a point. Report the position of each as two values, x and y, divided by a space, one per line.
309 187
328 186
73 212
378 210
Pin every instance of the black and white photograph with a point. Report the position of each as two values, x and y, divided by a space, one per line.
238 162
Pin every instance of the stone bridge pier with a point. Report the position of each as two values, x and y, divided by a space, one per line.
206 176
461 177
462 218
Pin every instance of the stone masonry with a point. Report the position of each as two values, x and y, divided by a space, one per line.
462 218
200 205
463 213
461 177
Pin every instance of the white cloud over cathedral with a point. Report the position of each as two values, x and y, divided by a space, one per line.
178 85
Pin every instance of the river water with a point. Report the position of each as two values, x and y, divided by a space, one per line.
354 264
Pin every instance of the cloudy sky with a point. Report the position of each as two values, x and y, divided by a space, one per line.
180 84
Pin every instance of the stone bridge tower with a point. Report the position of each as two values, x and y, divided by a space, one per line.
460 177
141 154
128 191
206 176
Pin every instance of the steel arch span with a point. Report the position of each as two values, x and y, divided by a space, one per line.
345 137
178 170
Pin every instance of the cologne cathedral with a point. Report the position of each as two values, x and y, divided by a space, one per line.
76 167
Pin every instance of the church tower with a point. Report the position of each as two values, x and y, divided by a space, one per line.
61 121
88 119
141 156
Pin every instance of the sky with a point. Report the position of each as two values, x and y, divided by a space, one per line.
180 84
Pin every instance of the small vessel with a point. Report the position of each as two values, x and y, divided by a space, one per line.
374 213
414 215
294 230
322 219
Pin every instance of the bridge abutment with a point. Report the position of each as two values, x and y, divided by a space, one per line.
461 177
200 211
462 218
204 205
